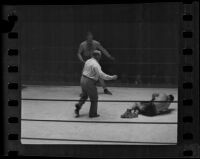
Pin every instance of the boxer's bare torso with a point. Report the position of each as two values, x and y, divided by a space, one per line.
161 106
88 48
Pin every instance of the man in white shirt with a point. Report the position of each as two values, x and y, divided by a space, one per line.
90 75
85 51
158 105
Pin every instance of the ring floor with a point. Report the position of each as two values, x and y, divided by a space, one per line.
53 122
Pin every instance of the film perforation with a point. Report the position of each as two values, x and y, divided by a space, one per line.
187 85
13 35
187 102
187 34
12 153
187 2
13 103
187 17
12 86
188 136
12 69
187 153
12 17
187 68
187 51
13 136
13 120
188 119
13 52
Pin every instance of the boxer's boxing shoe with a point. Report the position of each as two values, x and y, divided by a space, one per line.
133 115
127 114
106 91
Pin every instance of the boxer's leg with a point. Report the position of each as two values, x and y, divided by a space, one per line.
102 83
149 110
132 111
134 106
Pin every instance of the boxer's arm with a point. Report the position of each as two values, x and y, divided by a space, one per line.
154 95
134 106
80 50
162 107
104 51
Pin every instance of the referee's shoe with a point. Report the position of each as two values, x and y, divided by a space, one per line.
76 111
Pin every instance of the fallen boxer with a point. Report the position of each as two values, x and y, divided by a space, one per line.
150 108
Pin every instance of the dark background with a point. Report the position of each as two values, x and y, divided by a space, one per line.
144 39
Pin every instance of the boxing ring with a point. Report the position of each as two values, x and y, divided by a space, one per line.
47 117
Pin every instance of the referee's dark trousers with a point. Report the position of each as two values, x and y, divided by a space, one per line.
89 89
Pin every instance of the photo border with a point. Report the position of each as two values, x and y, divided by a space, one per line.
188 101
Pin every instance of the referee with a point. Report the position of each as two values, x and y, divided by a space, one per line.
90 75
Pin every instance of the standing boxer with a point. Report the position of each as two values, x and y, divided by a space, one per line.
85 51
90 75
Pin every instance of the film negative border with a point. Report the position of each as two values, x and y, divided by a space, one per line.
11 81
188 132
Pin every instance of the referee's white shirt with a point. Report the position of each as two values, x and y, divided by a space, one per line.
92 70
